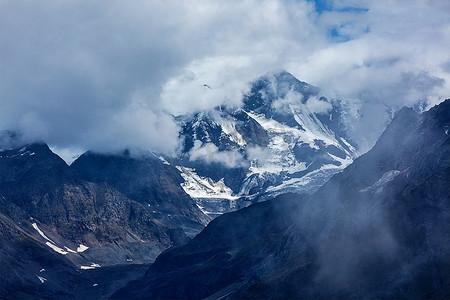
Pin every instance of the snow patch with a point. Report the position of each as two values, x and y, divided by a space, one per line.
279 157
298 183
313 129
344 162
378 186
229 128
42 279
41 233
350 147
82 248
202 187
51 243
70 250
92 266
164 161
208 213
56 248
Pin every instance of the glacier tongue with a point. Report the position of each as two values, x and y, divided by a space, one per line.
213 198
202 187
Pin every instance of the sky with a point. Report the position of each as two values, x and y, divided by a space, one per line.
108 75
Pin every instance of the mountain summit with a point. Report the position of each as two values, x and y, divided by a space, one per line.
283 138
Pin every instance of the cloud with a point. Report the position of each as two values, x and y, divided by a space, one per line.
257 153
395 44
293 99
284 104
210 153
80 74
207 83
103 76
317 106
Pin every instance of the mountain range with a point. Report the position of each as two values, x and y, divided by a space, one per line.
117 212
296 211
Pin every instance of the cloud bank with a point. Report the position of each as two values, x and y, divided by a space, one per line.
210 153
108 75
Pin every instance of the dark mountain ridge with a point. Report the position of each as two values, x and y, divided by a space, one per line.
377 230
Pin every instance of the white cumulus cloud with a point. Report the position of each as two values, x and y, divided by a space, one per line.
108 75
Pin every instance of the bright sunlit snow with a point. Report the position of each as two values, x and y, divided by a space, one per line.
82 248
202 187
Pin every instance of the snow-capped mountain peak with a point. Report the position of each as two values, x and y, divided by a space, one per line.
285 137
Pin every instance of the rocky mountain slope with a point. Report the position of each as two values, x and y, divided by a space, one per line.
284 137
377 230
56 223
149 181
33 270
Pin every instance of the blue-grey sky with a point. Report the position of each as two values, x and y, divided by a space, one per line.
105 75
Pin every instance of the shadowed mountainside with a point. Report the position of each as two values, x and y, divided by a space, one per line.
379 229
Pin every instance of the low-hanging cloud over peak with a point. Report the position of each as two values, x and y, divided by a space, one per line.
106 76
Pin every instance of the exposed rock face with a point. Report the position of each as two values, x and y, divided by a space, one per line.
93 214
22 258
31 270
379 229
148 181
